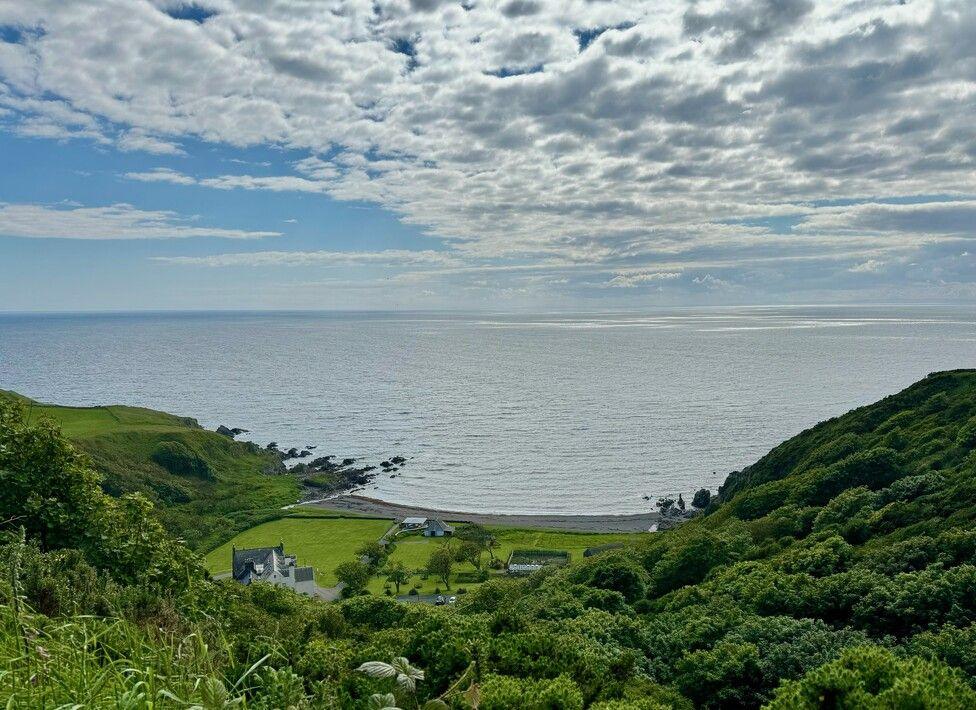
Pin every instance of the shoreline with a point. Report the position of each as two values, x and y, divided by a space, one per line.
635 522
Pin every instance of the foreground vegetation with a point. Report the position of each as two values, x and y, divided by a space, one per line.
205 487
837 572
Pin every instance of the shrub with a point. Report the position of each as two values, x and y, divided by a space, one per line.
870 677
617 572
503 692
177 458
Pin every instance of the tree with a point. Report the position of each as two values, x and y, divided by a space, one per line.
372 554
470 551
396 573
354 574
51 491
45 486
480 535
441 562
702 498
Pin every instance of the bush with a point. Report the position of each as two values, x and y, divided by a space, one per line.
503 692
617 572
871 677
177 458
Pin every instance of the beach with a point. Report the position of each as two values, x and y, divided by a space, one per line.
637 522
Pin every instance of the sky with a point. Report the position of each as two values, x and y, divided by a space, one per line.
510 154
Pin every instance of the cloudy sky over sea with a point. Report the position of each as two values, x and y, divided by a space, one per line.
521 153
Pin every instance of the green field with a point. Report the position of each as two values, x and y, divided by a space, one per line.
79 422
413 550
323 540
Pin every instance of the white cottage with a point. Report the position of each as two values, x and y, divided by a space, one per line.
271 564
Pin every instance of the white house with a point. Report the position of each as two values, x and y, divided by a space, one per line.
272 565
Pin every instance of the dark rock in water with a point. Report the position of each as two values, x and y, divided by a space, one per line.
348 462
226 431
310 446
292 453
237 431
273 446
397 459
647 497
304 453
323 462
369 468
385 464
392 476
393 469
702 498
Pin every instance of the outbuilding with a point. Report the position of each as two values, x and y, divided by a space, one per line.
437 528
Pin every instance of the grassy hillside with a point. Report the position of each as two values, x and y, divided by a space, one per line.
837 572
206 487
929 427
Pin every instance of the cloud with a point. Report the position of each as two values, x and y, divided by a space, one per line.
273 183
871 266
162 175
119 221
711 283
140 140
741 26
633 280
951 217
388 257
619 134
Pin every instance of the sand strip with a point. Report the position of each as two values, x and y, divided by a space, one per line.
638 522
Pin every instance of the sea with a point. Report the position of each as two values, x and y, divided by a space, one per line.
509 413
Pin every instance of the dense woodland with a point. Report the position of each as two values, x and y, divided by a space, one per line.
839 571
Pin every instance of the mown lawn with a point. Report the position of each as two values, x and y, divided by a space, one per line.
323 542
414 550
320 542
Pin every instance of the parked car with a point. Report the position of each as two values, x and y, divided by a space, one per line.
451 600
439 601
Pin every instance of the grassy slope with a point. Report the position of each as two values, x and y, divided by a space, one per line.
921 422
121 440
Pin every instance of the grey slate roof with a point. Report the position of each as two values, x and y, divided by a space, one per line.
439 525
261 563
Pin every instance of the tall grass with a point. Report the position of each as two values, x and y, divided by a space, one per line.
87 661
91 662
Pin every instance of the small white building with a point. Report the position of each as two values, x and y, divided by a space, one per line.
413 523
272 565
